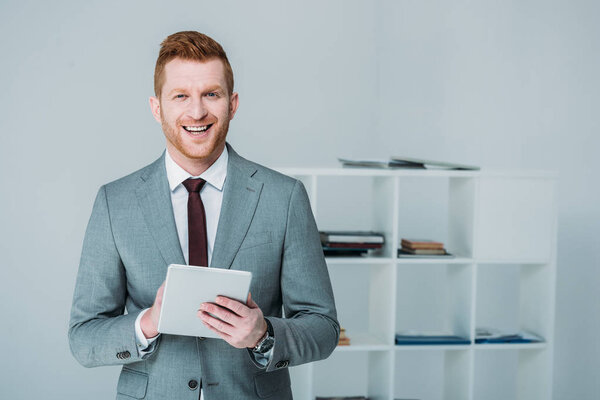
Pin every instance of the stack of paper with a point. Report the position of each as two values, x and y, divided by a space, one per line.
490 335
405 162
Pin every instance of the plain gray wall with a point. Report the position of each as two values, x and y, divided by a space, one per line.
504 84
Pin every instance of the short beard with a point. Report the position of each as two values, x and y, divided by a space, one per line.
172 135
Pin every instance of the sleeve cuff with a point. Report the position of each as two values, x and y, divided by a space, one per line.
263 359
143 344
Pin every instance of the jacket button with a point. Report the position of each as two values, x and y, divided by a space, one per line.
282 364
126 355
193 384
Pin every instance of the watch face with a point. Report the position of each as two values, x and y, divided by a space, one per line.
266 345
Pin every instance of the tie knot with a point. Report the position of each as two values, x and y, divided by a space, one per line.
194 185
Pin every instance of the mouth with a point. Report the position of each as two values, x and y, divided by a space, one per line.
197 130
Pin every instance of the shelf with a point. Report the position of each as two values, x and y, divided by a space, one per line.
501 228
518 174
352 374
358 260
455 260
522 261
512 373
490 173
364 342
377 172
432 375
408 260
432 347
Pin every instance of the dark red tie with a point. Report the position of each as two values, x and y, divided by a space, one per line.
198 252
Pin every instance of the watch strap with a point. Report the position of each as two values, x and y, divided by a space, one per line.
268 336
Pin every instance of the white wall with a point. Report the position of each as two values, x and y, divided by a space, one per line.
498 84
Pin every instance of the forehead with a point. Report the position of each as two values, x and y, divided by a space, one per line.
179 73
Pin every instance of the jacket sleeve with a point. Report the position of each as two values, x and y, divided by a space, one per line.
99 332
310 331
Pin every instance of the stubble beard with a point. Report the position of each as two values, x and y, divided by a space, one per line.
206 149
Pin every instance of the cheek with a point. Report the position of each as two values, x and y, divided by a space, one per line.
225 113
170 117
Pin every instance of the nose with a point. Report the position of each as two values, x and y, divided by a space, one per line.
196 109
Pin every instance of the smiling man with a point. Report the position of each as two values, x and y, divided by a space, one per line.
202 204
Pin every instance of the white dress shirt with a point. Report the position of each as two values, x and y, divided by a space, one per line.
211 194
212 198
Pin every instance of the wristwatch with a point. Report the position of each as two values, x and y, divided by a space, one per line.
266 343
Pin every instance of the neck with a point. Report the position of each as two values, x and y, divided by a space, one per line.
194 166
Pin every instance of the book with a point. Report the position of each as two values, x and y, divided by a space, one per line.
404 254
332 246
421 244
430 339
437 340
344 339
427 252
344 252
351 237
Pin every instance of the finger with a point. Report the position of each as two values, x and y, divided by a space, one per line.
251 302
221 312
160 292
222 335
231 339
216 323
235 306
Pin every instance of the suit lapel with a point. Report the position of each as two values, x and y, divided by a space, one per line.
154 199
240 198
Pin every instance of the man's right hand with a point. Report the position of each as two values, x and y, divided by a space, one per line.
149 321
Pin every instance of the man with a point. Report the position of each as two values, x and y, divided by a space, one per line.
237 215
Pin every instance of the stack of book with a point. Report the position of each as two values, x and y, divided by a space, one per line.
422 248
350 243
344 340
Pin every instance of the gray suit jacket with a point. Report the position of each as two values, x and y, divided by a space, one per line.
266 226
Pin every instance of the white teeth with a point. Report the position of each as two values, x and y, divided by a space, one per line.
196 128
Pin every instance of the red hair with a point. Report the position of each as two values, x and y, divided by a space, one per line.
189 45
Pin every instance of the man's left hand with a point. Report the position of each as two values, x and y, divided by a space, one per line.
241 325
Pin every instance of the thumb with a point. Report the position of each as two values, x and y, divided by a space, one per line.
250 303
159 294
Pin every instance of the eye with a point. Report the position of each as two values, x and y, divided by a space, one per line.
212 94
180 96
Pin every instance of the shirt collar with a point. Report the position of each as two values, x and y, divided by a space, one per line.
215 174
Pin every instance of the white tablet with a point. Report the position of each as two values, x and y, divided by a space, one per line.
187 287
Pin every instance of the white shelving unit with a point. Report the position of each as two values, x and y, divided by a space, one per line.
502 228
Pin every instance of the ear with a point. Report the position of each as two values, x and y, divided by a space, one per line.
234 101
155 108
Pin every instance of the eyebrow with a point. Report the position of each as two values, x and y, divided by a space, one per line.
173 91
212 88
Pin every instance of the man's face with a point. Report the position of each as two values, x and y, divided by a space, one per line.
194 110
